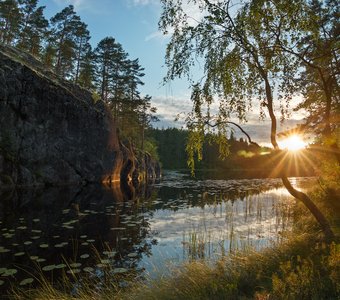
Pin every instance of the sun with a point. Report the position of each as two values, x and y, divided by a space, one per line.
293 143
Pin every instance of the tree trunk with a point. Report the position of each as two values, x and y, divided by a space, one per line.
318 215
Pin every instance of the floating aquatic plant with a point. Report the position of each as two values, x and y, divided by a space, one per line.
26 281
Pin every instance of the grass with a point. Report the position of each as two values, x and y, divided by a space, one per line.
301 266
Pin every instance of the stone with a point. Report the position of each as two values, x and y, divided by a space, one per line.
54 133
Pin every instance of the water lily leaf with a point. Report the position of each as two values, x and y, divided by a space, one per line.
44 246
61 266
39 260
27 243
105 261
9 272
132 255
88 269
84 256
119 270
49 268
110 253
26 281
19 254
75 265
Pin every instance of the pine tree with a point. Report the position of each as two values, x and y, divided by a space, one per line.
33 27
134 73
83 47
10 20
87 70
64 25
110 64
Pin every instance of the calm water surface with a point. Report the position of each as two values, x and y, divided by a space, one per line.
139 231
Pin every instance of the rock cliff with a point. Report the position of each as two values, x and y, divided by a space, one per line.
54 133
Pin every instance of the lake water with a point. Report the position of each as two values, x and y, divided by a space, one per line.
139 231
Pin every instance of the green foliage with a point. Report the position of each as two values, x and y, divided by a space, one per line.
107 70
150 147
261 52
309 278
95 97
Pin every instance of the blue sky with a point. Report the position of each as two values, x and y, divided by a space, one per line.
134 24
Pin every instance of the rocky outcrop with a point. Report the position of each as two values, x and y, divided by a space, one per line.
53 132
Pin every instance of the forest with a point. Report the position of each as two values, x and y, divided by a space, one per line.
63 45
229 218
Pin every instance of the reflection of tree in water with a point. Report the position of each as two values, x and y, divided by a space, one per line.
72 226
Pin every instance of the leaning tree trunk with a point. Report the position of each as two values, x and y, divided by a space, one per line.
318 215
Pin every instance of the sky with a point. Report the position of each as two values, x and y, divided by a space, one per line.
134 24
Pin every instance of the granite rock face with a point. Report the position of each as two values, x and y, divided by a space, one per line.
52 132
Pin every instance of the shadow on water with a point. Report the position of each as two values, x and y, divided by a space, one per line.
132 230
70 230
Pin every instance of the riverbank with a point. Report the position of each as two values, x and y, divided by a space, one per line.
301 266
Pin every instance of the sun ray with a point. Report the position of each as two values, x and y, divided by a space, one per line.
292 143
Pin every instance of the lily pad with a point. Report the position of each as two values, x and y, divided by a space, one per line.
119 270
61 266
109 253
39 260
27 243
132 255
22 227
26 281
4 250
44 246
83 236
36 220
49 268
88 269
85 244
9 272
34 257
105 261
84 256
75 265
19 254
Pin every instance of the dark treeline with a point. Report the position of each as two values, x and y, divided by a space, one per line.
242 160
62 44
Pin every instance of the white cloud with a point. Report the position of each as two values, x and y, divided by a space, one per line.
157 35
168 107
143 2
78 4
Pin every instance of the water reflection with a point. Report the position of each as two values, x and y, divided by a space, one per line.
128 229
